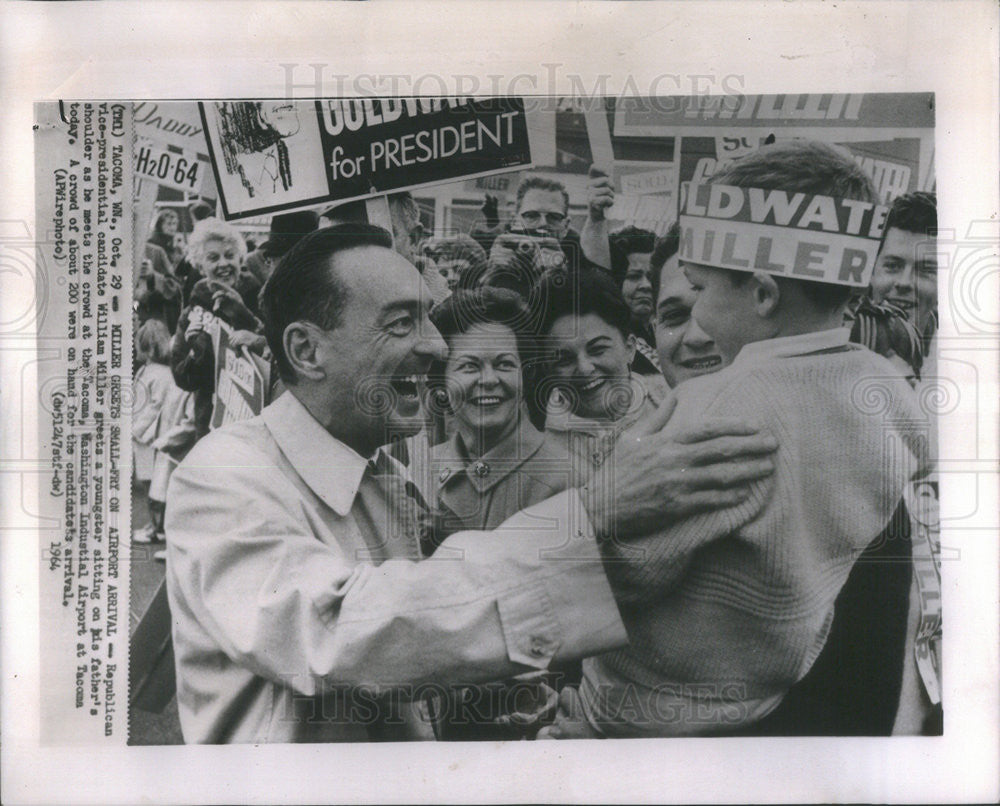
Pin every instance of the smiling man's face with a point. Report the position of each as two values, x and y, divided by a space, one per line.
906 275
684 349
382 347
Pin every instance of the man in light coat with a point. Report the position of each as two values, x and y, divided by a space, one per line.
302 608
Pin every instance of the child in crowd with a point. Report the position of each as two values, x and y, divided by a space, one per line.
162 423
773 246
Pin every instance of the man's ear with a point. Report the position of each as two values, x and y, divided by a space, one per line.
304 350
766 294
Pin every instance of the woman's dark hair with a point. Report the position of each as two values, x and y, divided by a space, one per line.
665 248
625 242
579 293
482 306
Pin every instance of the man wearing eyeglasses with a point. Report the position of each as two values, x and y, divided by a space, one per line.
542 207
539 237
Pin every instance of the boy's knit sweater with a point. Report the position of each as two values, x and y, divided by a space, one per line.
744 596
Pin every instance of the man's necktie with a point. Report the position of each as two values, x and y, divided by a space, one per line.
408 516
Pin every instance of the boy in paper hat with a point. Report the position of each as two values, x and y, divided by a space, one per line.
774 245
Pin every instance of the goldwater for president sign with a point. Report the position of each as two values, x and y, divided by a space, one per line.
278 155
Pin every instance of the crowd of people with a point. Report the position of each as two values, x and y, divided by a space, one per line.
528 481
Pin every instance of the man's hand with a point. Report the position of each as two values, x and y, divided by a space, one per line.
228 304
248 339
491 210
657 475
600 193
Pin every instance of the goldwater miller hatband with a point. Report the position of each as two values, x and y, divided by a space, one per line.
798 235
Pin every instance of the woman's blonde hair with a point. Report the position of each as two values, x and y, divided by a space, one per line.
212 228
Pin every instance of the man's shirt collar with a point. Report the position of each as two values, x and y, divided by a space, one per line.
331 469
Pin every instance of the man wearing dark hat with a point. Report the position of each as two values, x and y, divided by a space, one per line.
286 231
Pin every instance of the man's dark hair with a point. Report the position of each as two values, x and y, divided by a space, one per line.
625 242
577 294
347 211
801 166
304 286
535 182
201 210
913 212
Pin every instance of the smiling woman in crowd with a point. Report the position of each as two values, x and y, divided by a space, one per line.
496 462
589 393
167 224
225 294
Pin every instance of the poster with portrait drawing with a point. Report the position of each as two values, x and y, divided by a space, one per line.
265 154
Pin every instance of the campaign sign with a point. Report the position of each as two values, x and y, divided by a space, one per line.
801 115
180 170
380 145
266 155
240 383
798 235
278 155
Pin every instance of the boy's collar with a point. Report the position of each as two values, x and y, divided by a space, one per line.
785 346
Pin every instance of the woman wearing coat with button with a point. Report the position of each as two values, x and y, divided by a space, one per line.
495 464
